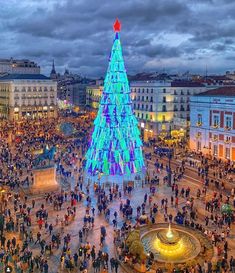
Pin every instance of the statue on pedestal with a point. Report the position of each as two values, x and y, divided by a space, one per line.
48 154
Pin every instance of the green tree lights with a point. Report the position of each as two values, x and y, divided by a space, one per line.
116 147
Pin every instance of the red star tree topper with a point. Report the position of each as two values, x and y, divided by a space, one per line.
117 26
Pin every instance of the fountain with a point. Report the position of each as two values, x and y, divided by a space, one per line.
174 245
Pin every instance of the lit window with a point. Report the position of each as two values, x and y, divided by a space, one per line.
199 146
227 153
215 150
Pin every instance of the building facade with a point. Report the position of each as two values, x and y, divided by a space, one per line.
212 129
93 96
12 66
163 106
27 96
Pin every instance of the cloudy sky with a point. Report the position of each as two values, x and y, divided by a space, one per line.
157 35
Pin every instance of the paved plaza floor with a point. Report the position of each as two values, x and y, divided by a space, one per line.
136 197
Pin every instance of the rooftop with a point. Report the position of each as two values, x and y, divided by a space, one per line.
24 77
149 77
186 84
225 91
219 78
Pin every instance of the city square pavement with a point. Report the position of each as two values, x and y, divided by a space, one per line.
136 197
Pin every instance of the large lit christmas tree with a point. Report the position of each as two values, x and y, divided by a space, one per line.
116 147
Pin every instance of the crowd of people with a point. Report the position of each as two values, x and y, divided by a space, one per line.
37 232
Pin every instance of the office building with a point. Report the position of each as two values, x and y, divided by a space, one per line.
12 66
27 96
212 129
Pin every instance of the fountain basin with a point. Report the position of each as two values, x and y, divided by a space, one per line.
176 246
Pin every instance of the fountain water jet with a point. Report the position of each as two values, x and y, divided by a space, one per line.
169 244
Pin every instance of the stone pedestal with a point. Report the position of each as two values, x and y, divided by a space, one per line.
44 180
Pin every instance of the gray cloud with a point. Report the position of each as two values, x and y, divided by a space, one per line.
180 34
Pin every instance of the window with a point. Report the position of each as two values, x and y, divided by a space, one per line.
198 135
147 90
215 150
163 108
139 90
182 93
175 93
215 138
227 139
227 152
228 122
142 115
199 119
199 146
163 118
152 90
143 90
215 120
146 107
151 99
138 115
151 108
151 117
164 90
134 105
142 98
147 116
164 99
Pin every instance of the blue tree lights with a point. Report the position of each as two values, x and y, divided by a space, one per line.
116 147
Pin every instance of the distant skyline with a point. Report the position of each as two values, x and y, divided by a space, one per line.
157 35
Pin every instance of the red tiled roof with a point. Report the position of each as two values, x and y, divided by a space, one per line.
219 78
186 84
225 91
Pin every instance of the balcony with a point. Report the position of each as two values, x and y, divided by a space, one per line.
227 128
199 124
215 126
215 138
